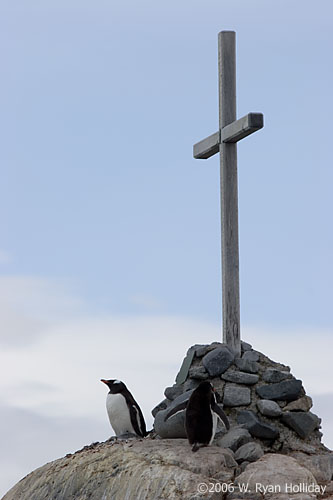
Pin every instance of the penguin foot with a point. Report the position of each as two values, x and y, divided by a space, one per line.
112 438
127 435
196 446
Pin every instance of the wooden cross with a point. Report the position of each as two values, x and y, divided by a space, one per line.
225 142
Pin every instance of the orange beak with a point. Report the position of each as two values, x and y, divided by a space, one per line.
103 380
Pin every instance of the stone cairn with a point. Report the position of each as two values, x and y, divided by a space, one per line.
267 407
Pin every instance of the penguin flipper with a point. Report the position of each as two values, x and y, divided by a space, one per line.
137 420
220 413
176 409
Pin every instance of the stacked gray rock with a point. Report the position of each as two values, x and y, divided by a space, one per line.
266 405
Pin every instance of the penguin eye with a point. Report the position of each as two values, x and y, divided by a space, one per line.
117 382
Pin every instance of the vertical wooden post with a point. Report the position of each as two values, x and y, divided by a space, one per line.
229 192
224 142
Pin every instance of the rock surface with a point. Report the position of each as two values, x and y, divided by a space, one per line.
218 361
301 422
155 469
240 377
269 408
251 355
173 392
256 427
287 390
139 469
321 465
301 404
236 395
236 437
198 372
161 406
246 365
272 375
275 472
174 427
249 452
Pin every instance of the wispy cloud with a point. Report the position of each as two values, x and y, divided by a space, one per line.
30 305
29 440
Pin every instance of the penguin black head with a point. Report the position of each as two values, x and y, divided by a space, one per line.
115 386
205 387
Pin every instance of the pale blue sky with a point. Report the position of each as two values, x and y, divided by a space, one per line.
104 212
100 107
101 104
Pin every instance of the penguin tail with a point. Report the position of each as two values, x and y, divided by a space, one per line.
195 447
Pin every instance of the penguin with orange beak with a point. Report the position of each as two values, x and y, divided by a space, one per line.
123 411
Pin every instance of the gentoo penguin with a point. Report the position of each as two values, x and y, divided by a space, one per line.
124 412
202 412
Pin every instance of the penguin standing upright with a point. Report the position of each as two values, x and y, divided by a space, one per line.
124 412
202 412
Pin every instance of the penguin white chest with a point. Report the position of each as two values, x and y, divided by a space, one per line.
119 414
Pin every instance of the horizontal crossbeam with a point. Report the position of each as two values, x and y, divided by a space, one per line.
243 127
207 147
234 132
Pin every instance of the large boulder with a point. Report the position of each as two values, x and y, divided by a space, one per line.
173 427
277 474
218 360
320 465
269 408
249 452
234 438
301 422
240 377
247 365
236 395
301 404
256 427
138 469
287 390
273 375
